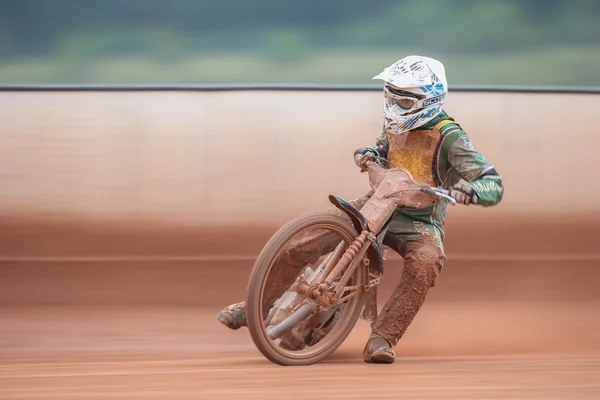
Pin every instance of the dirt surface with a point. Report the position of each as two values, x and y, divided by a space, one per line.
96 311
488 350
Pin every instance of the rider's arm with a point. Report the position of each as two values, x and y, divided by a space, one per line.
382 141
380 149
473 167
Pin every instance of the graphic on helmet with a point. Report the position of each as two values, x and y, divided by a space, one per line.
414 91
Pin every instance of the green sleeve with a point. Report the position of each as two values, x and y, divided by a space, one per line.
382 139
473 167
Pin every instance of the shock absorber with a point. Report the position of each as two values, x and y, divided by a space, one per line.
348 256
321 292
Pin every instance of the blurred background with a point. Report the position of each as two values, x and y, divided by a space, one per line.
505 42
130 217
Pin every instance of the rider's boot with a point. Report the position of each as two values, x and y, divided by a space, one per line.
378 351
233 316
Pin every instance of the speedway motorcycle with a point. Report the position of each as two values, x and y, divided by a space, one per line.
311 281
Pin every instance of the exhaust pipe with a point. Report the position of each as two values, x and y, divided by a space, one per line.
276 331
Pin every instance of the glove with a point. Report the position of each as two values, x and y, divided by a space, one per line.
464 194
362 151
364 154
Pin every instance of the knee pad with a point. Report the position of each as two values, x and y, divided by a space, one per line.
424 263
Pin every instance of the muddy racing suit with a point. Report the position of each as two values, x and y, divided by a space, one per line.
439 154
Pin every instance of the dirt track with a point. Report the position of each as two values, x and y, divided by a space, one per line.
106 311
489 350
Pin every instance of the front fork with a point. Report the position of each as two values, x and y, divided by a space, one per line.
321 290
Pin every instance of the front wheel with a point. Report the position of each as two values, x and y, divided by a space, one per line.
300 248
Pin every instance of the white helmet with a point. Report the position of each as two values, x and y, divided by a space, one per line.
415 90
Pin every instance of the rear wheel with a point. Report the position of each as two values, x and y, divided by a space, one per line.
317 336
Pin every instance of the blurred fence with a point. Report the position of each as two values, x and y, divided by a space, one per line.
234 155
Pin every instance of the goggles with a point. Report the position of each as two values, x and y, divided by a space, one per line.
403 103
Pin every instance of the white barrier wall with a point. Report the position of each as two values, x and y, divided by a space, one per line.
249 156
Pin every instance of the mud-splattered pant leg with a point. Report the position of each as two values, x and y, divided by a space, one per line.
423 260
303 249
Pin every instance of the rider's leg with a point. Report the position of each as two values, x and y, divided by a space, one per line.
421 246
304 249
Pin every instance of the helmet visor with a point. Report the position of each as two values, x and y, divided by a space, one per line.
401 103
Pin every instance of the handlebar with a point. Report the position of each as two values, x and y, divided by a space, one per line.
439 193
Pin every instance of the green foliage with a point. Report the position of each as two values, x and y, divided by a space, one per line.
285 46
191 40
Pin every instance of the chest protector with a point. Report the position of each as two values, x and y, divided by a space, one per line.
418 152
